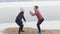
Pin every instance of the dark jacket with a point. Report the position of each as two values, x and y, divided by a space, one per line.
20 17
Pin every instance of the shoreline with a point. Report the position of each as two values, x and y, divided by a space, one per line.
46 25
50 27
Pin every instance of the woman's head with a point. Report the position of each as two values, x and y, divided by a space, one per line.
35 7
22 9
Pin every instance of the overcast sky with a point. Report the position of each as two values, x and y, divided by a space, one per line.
13 0
8 14
9 11
25 0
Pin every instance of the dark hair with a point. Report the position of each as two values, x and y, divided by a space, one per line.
36 7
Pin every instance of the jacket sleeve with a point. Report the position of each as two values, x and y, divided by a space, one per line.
32 13
24 18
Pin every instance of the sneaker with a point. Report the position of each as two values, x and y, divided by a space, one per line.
21 31
39 32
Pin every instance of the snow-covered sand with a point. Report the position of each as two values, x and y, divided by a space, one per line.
46 25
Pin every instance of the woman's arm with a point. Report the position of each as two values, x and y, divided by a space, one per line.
33 14
24 18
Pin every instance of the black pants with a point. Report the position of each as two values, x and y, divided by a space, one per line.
38 24
20 24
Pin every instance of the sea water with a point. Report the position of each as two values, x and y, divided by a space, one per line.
46 25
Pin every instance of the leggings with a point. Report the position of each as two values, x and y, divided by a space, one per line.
38 24
20 24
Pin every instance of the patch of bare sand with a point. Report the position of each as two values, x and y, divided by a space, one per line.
29 31
15 31
51 32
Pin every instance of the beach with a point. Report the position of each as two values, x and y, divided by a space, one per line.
47 27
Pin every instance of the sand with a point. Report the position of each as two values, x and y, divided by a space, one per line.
29 31
15 31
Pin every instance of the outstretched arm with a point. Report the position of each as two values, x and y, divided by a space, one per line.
24 18
33 14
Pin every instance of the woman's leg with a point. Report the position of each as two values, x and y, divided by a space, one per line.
21 26
38 24
19 31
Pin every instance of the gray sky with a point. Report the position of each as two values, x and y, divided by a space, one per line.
8 14
13 0
48 0
9 11
25 0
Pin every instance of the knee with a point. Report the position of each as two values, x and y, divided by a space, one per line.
21 25
37 25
